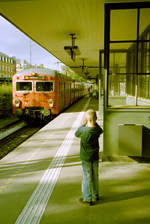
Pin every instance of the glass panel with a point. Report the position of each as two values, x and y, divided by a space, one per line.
144 45
143 90
117 62
123 25
121 90
120 46
144 22
144 57
122 78
132 59
23 86
44 86
122 58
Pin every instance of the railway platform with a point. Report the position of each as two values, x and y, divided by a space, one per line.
40 181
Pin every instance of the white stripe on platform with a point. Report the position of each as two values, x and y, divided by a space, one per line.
35 207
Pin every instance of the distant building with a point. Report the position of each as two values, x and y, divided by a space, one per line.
19 65
7 66
11 65
24 64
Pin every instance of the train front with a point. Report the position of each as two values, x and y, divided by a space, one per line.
33 95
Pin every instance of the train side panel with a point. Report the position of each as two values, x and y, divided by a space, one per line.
64 93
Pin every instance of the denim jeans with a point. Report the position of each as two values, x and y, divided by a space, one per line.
90 188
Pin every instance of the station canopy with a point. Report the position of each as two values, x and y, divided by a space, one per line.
71 30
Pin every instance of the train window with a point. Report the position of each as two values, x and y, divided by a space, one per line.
44 86
23 86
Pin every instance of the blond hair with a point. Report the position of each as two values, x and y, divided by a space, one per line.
91 115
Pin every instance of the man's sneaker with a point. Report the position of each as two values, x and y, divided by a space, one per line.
86 202
95 199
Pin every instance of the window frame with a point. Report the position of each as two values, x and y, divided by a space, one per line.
22 91
50 81
107 42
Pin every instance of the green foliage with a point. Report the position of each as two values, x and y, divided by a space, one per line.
5 98
5 89
70 73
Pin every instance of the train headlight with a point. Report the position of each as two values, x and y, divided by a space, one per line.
51 103
17 103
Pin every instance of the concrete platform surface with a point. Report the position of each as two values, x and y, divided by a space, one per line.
40 181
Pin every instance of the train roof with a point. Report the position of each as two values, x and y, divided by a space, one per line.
42 71
47 71
37 70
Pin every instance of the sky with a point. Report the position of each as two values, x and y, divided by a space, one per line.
15 43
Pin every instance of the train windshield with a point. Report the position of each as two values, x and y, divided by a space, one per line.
44 86
23 86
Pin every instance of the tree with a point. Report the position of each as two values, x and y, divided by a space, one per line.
70 73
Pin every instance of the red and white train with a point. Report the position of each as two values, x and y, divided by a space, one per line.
41 93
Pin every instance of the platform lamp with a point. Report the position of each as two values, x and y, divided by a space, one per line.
72 50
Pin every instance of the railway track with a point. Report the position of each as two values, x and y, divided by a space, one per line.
11 128
14 134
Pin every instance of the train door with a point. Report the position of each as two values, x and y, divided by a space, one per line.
64 94
72 92
68 92
70 102
61 95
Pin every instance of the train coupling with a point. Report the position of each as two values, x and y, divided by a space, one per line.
37 113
